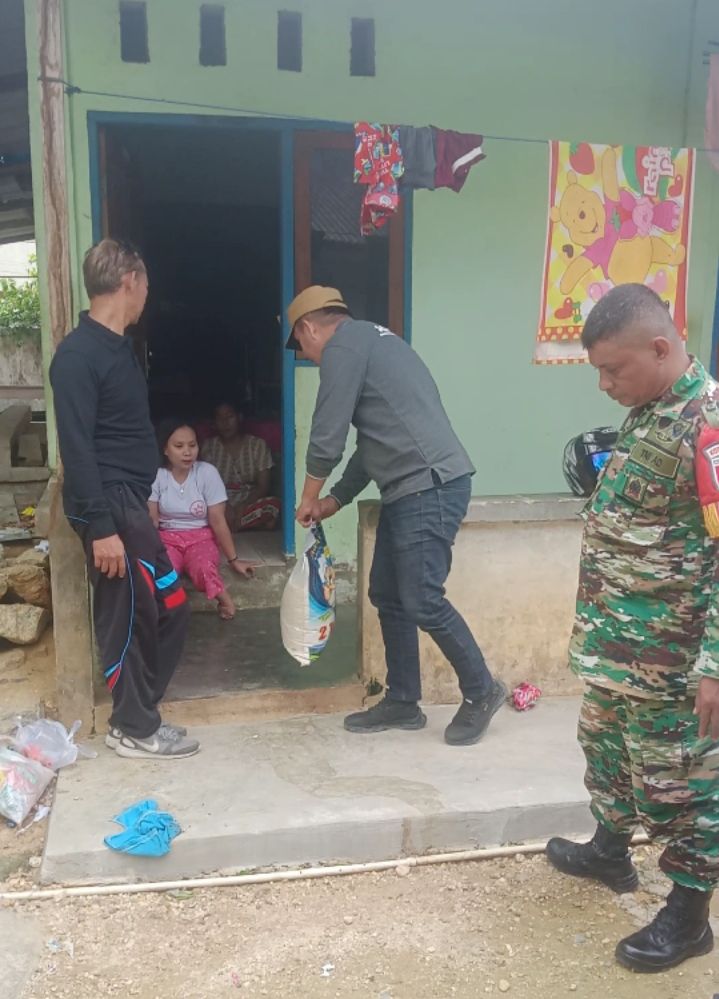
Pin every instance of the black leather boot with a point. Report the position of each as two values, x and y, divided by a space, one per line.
605 858
680 930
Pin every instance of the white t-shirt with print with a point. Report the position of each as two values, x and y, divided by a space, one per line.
183 505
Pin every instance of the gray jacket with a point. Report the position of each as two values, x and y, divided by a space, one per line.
371 378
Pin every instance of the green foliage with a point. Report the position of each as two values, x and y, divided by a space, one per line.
20 309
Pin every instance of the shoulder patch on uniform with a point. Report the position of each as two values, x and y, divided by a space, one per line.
668 434
634 488
654 459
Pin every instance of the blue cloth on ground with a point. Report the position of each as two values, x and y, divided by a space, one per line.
146 833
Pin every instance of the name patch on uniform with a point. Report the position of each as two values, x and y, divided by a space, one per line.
650 457
668 434
634 488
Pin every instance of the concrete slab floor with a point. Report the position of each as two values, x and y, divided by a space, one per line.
305 791
246 653
246 656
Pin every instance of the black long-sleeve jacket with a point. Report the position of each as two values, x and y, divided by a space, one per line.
103 422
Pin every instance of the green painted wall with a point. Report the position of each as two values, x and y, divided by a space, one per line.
617 72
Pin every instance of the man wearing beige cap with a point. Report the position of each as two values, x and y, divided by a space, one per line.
371 378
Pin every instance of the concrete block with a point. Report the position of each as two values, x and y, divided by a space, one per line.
30 477
14 421
305 791
29 451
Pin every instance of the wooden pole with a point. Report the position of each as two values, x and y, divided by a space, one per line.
54 170
70 598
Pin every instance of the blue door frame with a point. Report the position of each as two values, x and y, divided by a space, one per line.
286 128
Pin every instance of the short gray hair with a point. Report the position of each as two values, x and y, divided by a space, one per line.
622 307
106 263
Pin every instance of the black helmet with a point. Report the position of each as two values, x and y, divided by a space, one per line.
584 457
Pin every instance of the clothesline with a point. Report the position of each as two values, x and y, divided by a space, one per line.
71 89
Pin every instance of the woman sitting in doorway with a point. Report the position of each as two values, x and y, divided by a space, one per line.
244 463
187 504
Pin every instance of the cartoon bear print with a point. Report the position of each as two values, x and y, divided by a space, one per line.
616 231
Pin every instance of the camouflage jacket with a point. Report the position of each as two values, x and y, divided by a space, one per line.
647 620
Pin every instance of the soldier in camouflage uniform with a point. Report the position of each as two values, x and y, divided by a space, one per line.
646 637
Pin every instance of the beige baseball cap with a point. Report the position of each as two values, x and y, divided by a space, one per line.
310 300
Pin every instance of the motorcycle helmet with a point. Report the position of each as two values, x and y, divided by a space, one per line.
584 457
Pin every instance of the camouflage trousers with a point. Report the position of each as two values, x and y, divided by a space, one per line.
646 765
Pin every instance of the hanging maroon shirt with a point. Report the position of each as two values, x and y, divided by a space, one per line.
456 153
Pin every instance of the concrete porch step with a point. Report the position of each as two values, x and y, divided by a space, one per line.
303 791
265 590
272 568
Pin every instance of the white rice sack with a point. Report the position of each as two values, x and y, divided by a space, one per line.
307 611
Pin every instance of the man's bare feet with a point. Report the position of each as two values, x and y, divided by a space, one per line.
225 606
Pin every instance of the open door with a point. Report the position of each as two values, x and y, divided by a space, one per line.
329 248
122 216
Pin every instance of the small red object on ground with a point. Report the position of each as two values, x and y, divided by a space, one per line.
525 696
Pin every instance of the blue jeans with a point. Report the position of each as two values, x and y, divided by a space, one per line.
412 559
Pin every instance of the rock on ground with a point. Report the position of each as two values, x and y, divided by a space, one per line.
28 582
22 624
33 557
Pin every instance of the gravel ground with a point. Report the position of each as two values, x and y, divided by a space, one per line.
461 930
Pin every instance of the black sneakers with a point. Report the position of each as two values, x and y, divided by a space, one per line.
387 714
604 858
467 727
680 930
473 718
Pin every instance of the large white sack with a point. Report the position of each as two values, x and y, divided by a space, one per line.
307 611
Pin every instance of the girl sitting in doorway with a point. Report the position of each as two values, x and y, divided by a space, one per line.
244 463
187 504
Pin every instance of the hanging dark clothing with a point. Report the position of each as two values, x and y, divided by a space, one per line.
457 153
420 160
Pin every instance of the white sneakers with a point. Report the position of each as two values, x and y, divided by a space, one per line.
170 742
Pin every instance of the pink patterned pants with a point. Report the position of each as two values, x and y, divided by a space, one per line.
196 553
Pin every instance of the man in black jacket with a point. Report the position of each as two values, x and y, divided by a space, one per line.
110 458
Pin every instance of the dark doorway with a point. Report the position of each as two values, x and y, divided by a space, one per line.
204 207
223 212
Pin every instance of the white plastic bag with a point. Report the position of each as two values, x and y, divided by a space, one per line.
49 743
307 611
22 782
